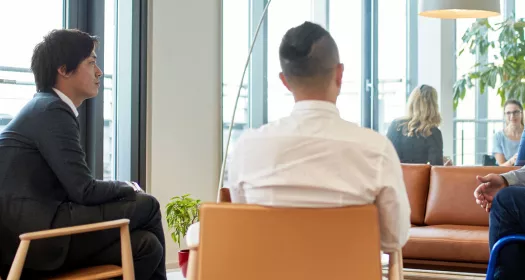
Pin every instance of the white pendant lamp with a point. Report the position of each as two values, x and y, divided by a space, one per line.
450 9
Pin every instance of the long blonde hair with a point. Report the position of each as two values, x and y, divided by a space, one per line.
422 112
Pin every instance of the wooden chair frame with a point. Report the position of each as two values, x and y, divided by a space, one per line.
97 272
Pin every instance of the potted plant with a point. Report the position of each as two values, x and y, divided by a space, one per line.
507 71
181 212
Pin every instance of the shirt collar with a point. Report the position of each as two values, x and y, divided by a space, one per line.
315 105
67 101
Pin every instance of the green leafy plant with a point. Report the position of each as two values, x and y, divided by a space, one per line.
507 71
181 212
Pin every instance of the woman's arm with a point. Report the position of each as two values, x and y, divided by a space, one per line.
497 150
502 161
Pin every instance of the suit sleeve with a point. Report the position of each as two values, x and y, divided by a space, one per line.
57 137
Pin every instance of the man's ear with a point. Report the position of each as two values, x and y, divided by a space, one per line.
339 74
62 71
285 82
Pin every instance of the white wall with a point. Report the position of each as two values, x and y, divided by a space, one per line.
184 101
436 52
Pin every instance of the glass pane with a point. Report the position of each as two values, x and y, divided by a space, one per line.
235 49
465 143
520 9
280 19
466 110
494 100
345 27
109 92
464 64
391 61
17 84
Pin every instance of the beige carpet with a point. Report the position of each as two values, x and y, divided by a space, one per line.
416 274
409 274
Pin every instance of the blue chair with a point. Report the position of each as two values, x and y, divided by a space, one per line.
491 269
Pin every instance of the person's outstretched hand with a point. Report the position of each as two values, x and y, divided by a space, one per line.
489 185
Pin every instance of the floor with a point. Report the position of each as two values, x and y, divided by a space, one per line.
410 274
175 275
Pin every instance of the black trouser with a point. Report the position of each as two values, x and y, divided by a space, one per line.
507 217
103 247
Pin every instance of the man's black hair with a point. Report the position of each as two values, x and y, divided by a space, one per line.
60 47
308 51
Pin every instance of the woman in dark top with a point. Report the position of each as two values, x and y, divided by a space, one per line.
416 137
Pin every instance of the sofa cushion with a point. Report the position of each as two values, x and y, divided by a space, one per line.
417 180
451 195
448 243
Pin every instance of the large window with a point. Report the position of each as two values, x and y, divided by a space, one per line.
520 9
109 88
17 84
280 19
392 60
465 113
236 40
372 37
345 26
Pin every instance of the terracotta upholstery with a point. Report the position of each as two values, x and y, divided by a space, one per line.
448 243
417 180
454 231
240 241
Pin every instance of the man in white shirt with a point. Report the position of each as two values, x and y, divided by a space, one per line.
313 158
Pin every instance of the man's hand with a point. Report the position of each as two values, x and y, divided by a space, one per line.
489 186
135 186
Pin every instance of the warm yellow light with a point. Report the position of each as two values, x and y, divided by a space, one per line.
451 9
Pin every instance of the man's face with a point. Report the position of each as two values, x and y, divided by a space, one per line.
85 80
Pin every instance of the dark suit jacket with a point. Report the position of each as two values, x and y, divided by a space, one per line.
417 149
42 169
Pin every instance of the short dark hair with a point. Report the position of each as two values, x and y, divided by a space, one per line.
308 51
60 47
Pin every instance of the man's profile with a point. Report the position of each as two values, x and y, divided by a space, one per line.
45 182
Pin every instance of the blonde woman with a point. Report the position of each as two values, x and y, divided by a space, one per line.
416 137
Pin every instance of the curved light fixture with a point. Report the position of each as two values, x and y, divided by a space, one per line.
450 9
225 156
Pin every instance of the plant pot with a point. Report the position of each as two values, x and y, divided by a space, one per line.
183 261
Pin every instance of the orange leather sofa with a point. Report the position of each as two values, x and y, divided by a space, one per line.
449 230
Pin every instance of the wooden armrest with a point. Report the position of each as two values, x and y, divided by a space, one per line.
74 230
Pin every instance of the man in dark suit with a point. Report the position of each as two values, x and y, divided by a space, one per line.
45 182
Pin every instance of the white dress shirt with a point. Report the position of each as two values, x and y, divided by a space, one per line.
67 101
313 158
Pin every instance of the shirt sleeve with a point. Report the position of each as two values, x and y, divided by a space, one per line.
236 190
516 177
392 202
497 147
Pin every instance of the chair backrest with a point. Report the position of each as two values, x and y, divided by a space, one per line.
240 241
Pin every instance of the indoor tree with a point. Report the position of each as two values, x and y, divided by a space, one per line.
506 72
